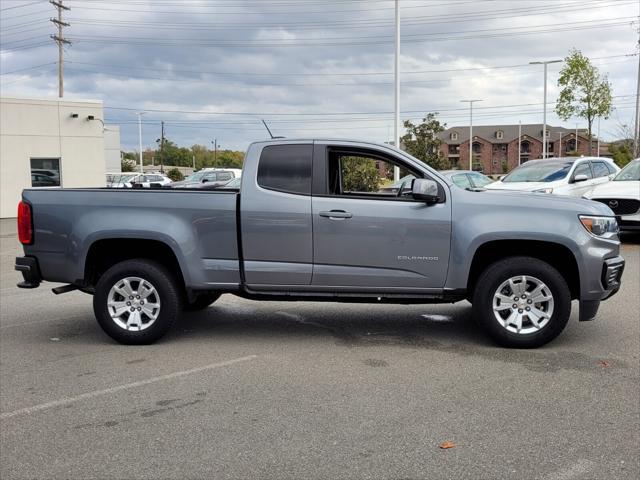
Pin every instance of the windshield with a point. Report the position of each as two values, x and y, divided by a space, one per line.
537 171
480 180
122 178
630 173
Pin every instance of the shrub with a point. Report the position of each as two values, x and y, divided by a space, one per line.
175 175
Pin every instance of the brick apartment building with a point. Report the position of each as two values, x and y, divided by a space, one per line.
495 147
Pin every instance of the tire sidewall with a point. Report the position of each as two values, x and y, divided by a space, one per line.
500 271
164 284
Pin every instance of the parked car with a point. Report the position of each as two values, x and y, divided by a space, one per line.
622 195
137 180
205 178
461 178
40 180
296 233
561 176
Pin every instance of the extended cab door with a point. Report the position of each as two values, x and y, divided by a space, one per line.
275 214
368 233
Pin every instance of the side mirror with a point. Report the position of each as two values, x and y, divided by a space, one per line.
204 180
425 190
580 178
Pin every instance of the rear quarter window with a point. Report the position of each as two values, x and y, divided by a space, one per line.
286 168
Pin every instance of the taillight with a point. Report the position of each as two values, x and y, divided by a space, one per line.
25 224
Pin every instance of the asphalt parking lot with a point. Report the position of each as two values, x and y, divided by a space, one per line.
305 390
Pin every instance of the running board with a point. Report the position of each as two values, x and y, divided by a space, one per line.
64 289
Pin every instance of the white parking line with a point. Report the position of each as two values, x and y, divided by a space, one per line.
106 391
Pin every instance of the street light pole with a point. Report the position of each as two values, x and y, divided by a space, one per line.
140 138
470 102
215 151
544 114
519 141
396 118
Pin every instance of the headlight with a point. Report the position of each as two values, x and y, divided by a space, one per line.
600 226
544 190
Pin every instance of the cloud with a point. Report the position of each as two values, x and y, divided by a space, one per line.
254 59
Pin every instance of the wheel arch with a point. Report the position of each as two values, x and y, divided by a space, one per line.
557 255
106 252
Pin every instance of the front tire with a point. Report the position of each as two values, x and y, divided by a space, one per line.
522 302
136 301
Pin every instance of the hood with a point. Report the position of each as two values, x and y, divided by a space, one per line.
580 206
522 186
616 189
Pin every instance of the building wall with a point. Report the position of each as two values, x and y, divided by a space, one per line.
112 148
32 128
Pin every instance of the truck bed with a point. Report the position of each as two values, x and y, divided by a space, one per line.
199 226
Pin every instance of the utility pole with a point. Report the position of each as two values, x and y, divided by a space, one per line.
576 139
544 114
560 144
598 154
61 41
396 118
470 102
215 151
636 139
140 138
519 141
162 146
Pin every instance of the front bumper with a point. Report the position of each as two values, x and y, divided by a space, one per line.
30 270
610 279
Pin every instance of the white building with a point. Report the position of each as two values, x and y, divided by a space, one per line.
50 143
112 158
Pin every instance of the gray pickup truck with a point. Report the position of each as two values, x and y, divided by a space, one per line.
313 221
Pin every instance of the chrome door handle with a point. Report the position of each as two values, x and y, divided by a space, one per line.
336 214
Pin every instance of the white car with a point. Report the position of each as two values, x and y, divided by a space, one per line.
573 176
622 195
128 180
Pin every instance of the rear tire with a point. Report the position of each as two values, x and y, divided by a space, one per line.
136 301
522 302
201 302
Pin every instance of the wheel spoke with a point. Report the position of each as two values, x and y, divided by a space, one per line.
502 307
534 318
541 298
523 285
120 308
124 288
144 290
134 322
503 298
512 286
148 309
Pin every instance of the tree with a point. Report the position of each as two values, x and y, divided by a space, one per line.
175 175
422 141
585 93
621 152
127 165
359 174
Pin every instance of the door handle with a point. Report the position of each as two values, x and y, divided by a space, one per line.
336 214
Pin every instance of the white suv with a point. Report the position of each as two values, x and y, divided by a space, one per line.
622 195
573 176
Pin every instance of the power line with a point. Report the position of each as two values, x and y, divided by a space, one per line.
19 6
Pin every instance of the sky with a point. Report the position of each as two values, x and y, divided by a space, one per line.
212 70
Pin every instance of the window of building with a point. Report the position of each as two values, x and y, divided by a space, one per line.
525 148
454 136
286 168
499 134
477 147
454 149
45 172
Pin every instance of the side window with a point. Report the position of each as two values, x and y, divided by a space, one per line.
225 176
600 169
286 168
611 169
360 174
461 180
583 169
